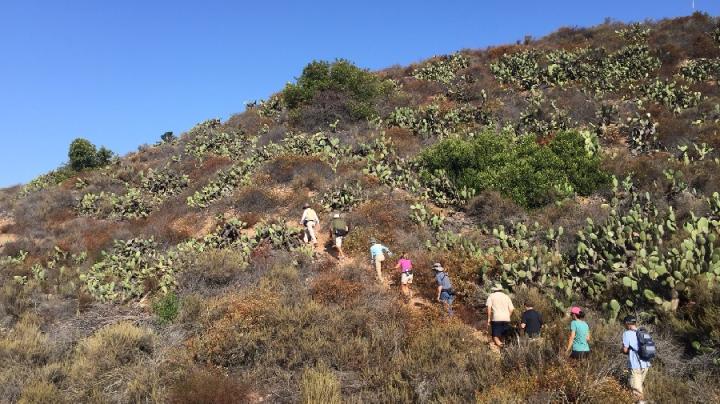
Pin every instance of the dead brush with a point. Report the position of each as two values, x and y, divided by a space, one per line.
332 288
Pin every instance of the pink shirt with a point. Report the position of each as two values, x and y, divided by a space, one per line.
405 264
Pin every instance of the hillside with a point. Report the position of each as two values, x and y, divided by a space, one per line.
582 168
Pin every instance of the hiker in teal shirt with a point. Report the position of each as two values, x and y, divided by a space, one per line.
578 343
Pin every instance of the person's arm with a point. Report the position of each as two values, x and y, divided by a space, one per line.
570 341
489 312
626 345
587 338
439 290
540 320
302 218
397 266
523 321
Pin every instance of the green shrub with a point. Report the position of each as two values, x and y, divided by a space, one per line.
167 307
361 87
530 174
83 154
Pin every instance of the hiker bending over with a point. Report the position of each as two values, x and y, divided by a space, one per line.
578 341
445 291
377 256
309 220
338 230
499 310
637 366
406 275
532 321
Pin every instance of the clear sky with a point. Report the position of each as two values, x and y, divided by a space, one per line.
121 73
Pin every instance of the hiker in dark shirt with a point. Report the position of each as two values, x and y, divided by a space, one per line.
531 321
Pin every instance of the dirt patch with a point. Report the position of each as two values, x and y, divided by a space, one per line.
193 225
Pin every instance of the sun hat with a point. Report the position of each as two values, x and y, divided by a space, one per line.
336 216
497 287
575 310
306 205
438 267
629 320
373 240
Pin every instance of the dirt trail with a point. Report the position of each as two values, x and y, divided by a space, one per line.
417 303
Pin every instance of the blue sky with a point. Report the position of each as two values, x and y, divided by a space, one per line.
121 73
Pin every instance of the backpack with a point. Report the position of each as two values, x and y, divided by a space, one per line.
646 346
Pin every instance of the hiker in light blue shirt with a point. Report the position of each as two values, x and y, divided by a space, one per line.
377 256
638 367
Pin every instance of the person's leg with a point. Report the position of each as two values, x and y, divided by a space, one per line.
409 282
338 244
311 232
496 333
637 377
378 266
306 234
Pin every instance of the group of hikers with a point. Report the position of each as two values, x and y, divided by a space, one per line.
637 344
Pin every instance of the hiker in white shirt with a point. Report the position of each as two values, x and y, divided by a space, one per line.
309 219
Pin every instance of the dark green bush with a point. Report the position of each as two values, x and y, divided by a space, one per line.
360 87
530 174
83 154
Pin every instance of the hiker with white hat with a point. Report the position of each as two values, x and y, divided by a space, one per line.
338 230
499 310
377 256
445 291
309 220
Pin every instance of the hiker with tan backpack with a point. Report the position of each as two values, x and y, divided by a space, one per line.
309 220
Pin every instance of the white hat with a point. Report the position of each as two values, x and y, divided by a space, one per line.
336 215
438 267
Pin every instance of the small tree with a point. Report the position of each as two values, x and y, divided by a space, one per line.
167 137
82 154
104 156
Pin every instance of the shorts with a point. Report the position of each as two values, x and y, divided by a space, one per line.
579 354
338 241
447 297
499 328
406 278
636 380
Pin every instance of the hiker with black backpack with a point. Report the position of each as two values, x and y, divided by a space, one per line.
338 230
639 346
445 291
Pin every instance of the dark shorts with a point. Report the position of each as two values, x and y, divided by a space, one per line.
499 328
579 354
447 297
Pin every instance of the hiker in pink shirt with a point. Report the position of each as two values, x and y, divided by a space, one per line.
406 275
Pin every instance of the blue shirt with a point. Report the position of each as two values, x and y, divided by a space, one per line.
629 339
443 280
582 330
377 249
